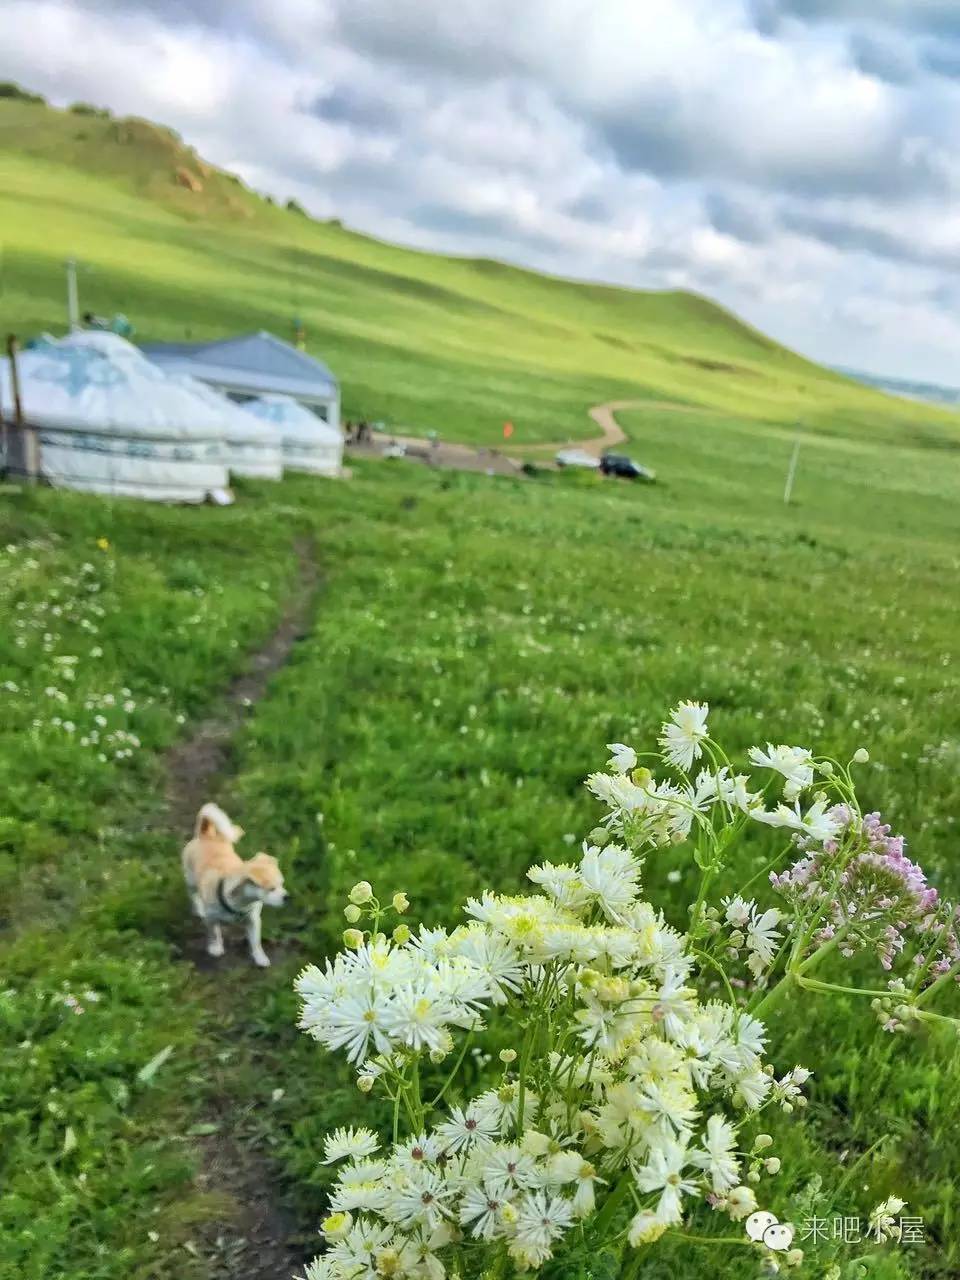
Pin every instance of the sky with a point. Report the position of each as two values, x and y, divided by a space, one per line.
797 160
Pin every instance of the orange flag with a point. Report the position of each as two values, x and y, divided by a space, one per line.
507 430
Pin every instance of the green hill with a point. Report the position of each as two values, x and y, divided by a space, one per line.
420 340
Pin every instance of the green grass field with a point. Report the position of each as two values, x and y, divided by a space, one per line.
474 644
420 341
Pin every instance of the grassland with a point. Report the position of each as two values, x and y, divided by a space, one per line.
421 341
476 642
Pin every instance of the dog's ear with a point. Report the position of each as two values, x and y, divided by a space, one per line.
238 832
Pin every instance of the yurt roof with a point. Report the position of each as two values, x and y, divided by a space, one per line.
254 363
292 419
87 382
237 425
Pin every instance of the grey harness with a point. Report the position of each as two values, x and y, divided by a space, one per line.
230 910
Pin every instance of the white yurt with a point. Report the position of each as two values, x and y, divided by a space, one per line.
108 421
309 443
253 447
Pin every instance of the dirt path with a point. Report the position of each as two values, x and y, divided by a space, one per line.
611 433
462 457
254 1238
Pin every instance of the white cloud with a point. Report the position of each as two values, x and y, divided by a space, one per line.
795 158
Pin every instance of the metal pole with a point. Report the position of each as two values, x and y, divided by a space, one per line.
73 300
791 471
27 435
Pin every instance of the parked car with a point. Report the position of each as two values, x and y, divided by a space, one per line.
577 458
618 464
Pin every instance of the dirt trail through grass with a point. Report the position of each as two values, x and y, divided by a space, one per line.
255 1238
611 433
466 457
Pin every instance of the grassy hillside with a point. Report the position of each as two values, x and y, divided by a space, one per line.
471 652
419 340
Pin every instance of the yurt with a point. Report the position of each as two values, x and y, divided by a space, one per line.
308 443
108 421
253 447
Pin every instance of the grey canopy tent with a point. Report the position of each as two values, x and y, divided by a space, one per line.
253 364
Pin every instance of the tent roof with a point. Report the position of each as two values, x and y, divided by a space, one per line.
292 420
106 388
238 426
253 362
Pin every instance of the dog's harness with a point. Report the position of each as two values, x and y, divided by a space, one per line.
230 910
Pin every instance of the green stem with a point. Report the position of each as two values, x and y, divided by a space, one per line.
415 1091
396 1115
813 984
944 978
608 1210
767 869
734 1240
926 1015
698 905
456 1067
773 997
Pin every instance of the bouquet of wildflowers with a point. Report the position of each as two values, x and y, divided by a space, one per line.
639 1079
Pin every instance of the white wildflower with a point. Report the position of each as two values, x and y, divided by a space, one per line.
683 733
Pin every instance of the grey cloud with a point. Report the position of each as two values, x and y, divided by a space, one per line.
737 217
940 17
942 58
665 141
883 56
346 105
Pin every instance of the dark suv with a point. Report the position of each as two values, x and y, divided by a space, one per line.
618 464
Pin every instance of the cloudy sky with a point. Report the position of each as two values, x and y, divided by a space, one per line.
799 160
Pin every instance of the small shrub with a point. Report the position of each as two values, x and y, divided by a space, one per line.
10 89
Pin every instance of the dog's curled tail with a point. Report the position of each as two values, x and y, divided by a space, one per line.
212 816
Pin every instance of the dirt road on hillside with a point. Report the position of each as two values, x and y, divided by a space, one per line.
506 458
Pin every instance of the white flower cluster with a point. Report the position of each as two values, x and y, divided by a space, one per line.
384 996
623 1099
629 1097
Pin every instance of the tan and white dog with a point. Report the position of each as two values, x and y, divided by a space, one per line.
225 889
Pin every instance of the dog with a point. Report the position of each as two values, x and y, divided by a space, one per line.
225 889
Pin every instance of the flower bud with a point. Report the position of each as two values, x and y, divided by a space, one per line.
788 1108
535 1143
861 755
365 1083
794 1258
599 836
336 1226
387 1262
753 1177
353 938
361 892
772 1165
400 902
401 934
352 913
741 1202
437 1056
762 1141
508 1055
